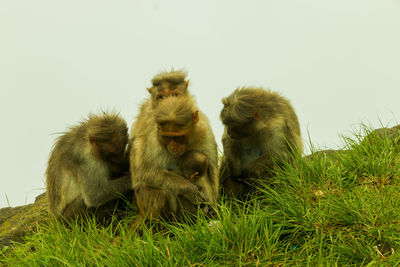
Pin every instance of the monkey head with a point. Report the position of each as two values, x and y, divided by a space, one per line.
176 118
166 84
108 136
241 114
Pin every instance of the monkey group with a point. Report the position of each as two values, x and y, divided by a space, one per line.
170 158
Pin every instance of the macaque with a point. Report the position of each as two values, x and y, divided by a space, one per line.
261 131
172 146
84 164
166 84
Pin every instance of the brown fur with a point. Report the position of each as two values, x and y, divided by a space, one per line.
84 162
164 84
261 130
154 166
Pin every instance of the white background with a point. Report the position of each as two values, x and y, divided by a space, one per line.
337 61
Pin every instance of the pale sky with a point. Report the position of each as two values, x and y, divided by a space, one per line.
338 62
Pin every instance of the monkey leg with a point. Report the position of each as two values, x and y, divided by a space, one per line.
236 188
74 208
114 208
154 202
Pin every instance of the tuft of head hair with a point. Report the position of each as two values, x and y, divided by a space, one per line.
173 76
178 109
243 102
103 126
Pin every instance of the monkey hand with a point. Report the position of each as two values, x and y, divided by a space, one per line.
193 193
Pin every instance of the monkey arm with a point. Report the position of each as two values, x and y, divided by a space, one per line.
224 170
179 185
259 167
230 184
265 163
97 190
274 151
213 184
230 160
173 183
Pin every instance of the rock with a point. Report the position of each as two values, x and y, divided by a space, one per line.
17 222
392 133
334 154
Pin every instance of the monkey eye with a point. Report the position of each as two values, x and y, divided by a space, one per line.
179 139
159 97
174 94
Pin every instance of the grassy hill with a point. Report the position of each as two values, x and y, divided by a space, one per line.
335 208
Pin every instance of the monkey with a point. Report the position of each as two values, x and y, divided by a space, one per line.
166 84
261 130
83 165
165 147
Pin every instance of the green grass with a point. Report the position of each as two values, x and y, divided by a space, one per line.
331 210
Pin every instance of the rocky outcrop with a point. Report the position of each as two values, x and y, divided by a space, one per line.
334 154
392 133
15 223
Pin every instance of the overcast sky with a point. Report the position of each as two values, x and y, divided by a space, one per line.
338 62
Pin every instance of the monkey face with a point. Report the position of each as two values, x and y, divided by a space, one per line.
176 145
238 131
167 93
174 137
161 90
113 151
242 125
117 159
234 132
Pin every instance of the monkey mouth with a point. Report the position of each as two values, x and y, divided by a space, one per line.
175 150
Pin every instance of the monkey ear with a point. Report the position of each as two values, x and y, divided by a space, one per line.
149 90
196 117
187 85
91 139
257 115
